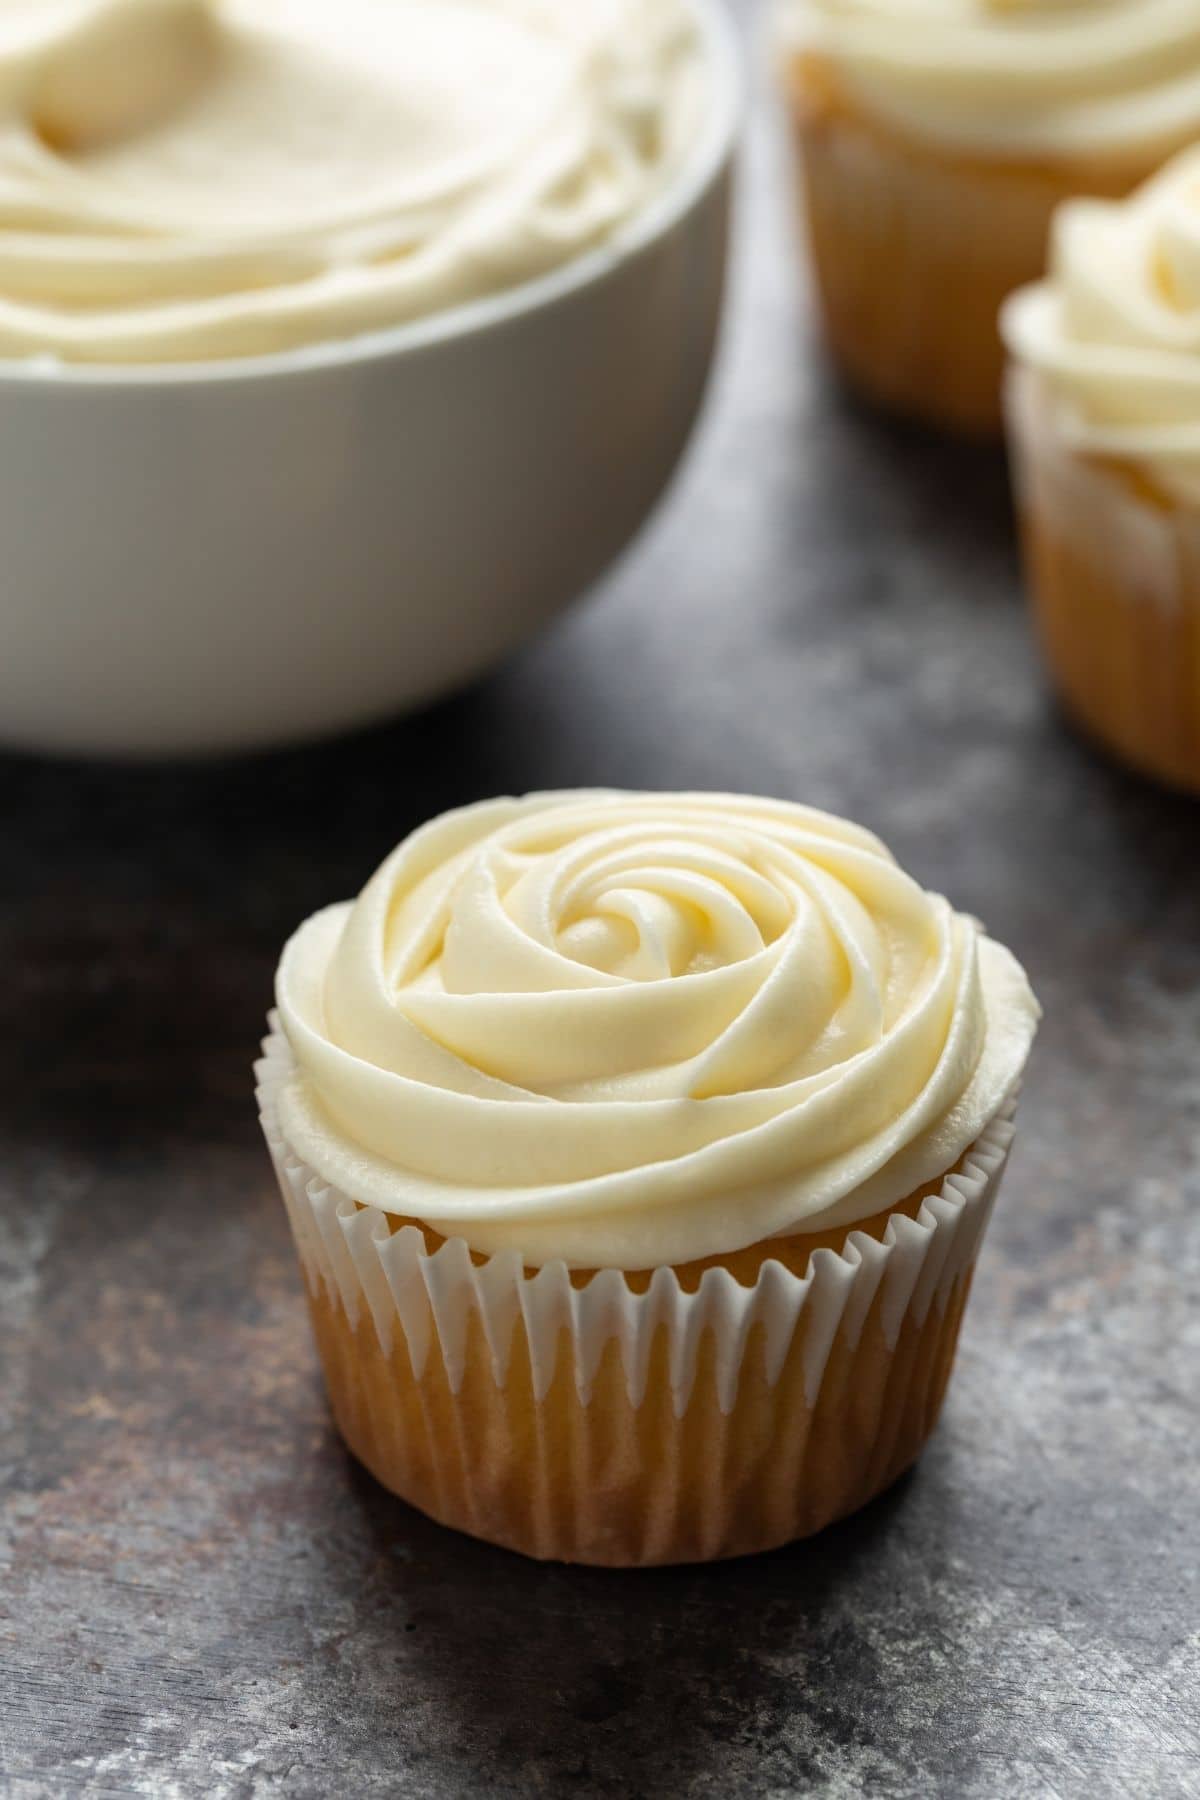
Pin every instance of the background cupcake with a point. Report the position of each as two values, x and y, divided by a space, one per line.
936 138
1105 426
639 1148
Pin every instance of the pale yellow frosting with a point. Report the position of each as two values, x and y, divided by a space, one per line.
627 1030
1114 331
187 179
1113 78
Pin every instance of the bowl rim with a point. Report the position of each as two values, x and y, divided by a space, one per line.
708 158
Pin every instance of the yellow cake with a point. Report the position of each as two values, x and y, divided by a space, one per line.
638 1150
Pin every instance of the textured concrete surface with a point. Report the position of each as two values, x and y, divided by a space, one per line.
201 1596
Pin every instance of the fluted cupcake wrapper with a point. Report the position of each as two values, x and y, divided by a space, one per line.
915 248
597 1423
1114 577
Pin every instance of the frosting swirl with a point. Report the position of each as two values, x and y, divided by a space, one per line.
1113 333
191 179
1118 78
635 1029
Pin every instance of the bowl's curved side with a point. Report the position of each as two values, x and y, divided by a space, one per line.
223 566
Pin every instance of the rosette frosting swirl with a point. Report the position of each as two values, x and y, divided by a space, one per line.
196 179
635 1029
1113 334
1115 78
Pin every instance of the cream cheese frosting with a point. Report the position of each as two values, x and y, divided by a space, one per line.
626 1030
1113 333
1117 79
197 179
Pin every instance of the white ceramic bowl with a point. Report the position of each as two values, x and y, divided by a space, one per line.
219 556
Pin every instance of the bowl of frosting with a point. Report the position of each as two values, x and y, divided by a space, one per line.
340 347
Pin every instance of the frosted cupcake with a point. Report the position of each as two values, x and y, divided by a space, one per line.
1104 417
638 1149
936 138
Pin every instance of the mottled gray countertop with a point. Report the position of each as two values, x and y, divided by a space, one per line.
200 1595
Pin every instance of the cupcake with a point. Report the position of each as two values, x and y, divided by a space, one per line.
1104 426
936 138
638 1149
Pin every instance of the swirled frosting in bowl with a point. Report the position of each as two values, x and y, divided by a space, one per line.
1113 333
627 1030
184 180
1114 78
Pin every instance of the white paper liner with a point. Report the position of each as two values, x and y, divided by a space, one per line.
392 1278
1153 551
1114 577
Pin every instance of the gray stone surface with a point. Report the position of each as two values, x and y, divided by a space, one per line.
200 1595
